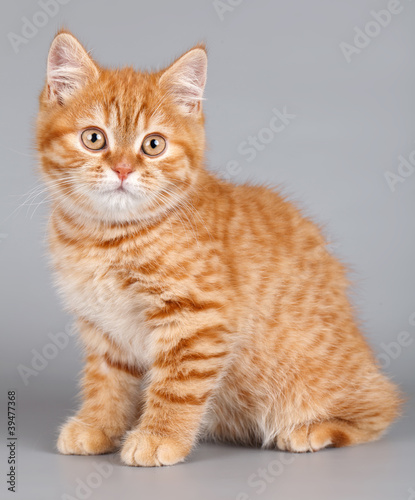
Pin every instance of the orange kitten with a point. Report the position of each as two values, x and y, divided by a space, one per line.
206 309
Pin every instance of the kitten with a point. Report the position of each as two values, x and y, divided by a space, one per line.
206 309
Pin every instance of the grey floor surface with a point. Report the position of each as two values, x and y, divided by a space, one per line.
383 470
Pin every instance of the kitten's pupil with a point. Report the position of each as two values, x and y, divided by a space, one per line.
94 137
154 143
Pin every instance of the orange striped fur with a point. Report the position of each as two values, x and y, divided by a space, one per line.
206 309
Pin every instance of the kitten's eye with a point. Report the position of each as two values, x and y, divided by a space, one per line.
154 145
93 138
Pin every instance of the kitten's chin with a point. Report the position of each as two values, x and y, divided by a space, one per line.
120 205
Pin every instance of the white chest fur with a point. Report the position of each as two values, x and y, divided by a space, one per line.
96 293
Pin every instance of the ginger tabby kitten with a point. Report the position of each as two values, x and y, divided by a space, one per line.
206 309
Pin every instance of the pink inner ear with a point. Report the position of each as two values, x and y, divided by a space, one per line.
56 67
69 67
56 58
186 79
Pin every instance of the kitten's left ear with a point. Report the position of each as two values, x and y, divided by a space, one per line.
185 79
69 67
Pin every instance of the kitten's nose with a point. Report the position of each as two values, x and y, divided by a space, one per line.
122 170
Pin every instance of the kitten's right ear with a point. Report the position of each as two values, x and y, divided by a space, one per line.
69 67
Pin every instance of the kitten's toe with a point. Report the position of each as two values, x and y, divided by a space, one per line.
296 441
319 435
77 438
149 450
283 443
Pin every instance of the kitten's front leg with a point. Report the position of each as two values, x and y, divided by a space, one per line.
109 407
183 377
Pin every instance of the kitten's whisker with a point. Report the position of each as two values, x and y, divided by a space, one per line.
177 212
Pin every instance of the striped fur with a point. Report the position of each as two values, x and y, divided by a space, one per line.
206 310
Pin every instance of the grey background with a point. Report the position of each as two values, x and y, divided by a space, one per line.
353 120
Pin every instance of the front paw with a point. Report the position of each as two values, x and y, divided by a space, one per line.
78 438
149 450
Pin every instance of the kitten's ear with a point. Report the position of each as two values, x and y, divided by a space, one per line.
185 79
69 67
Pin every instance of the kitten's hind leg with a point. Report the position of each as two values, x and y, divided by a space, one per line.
330 433
110 397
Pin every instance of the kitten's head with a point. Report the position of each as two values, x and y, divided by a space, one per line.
120 145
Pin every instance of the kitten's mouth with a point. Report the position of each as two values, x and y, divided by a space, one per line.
124 190
121 189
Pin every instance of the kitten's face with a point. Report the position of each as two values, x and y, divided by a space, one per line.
118 145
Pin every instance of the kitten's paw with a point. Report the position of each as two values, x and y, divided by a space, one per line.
296 441
318 435
149 450
78 438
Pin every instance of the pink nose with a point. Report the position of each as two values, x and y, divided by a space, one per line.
122 170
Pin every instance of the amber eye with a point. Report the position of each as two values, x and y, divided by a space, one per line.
93 138
154 145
